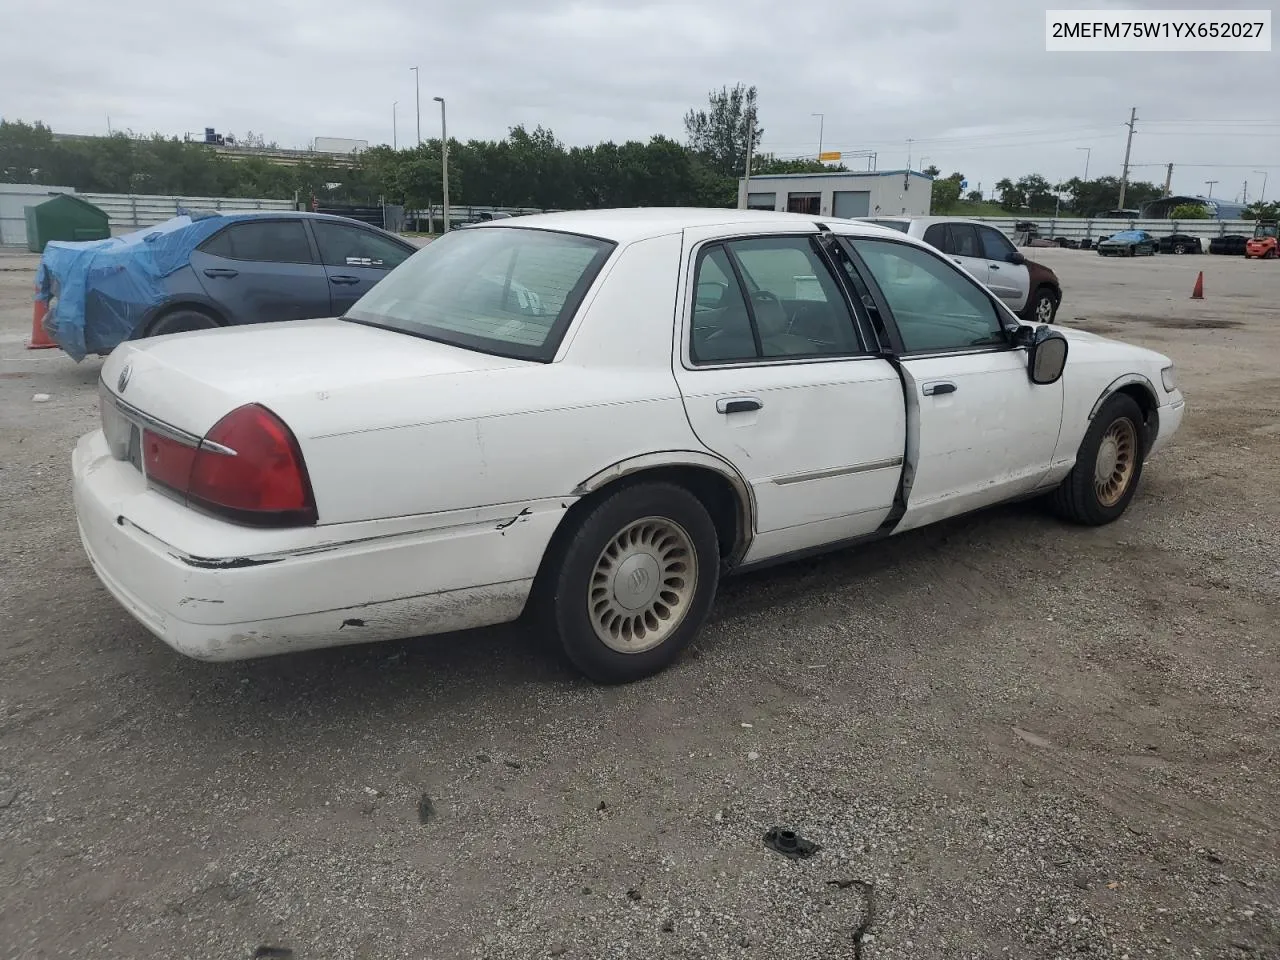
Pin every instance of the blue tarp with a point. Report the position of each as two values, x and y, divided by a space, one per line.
99 290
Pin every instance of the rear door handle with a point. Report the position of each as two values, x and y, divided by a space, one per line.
344 280
221 272
995 266
738 405
938 387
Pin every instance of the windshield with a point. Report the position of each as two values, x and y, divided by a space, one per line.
510 291
1265 230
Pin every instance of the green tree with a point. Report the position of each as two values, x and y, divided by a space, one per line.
946 193
974 196
720 133
1189 211
1262 211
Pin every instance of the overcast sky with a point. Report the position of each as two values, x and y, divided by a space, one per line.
968 80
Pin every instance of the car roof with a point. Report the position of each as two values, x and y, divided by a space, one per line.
906 218
624 225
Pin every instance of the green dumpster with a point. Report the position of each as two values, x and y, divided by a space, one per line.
64 217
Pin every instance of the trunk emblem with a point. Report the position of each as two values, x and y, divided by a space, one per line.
124 378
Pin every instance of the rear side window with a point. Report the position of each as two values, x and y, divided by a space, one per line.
266 241
964 240
510 291
787 305
345 246
937 237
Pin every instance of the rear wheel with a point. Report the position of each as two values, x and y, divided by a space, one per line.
182 320
632 583
1043 306
1108 466
1179 247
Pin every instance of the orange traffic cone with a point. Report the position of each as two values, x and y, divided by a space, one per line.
1198 292
40 339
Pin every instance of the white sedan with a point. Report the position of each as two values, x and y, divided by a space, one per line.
590 417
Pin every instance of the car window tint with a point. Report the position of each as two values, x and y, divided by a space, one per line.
344 246
267 241
964 240
936 307
996 245
938 237
797 306
510 291
721 328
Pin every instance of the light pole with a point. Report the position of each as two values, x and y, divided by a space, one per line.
1263 195
1210 183
417 102
1088 152
444 161
822 120
394 104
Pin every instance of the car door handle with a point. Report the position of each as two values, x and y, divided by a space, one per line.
938 387
344 280
221 272
738 405
995 266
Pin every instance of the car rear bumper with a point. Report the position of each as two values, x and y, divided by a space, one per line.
264 594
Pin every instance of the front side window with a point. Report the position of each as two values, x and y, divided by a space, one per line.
511 291
344 246
936 307
996 245
266 241
768 298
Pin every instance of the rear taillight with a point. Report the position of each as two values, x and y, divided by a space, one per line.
248 468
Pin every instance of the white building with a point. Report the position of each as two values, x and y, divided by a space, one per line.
852 194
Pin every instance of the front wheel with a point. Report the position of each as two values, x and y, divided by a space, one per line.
1108 466
631 584
181 321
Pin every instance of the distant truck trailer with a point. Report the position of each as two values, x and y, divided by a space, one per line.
339 145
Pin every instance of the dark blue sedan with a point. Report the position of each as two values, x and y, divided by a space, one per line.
196 272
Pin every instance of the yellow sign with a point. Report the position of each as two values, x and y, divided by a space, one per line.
829 157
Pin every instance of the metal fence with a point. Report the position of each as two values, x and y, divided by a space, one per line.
1074 228
128 211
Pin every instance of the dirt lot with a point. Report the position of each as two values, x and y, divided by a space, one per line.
1029 740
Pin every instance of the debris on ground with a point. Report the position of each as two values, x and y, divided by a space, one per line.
790 844
426 809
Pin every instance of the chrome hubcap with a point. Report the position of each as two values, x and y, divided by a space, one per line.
1113 469
642 585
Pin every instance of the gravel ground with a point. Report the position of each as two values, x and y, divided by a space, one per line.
1009 737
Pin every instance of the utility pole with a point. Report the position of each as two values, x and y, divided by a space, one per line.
444 162
1262 196
1128 144
394 104
1088 152
746 180
1210 183
822 121
1244 194
1168 181
417 101
908 153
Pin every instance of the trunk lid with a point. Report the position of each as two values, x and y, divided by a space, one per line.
189 381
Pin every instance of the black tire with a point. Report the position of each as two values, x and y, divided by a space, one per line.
563 607
1034 312
1133 251
1077 497
182 320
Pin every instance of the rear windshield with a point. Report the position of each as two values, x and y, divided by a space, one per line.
510 291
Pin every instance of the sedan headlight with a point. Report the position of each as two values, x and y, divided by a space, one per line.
1169 379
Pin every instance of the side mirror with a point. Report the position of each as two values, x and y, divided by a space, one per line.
1046 356
1017 258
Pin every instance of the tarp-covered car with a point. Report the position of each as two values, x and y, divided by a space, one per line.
202 271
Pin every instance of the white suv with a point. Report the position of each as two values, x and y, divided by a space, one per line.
1030 289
